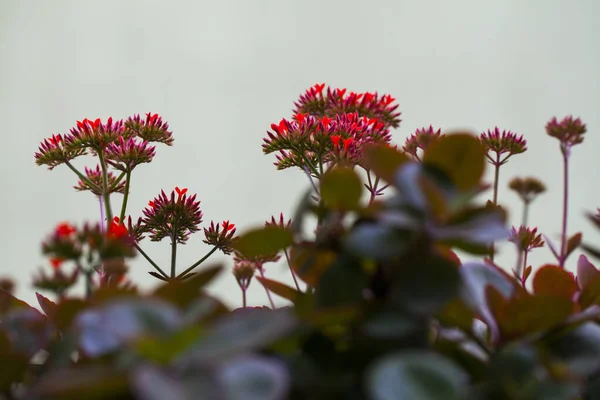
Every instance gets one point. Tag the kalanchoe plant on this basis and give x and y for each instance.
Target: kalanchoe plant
(389, 311)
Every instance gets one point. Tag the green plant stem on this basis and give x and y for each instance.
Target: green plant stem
(200, 261)
(244, 297)
(125, 197)
(262, 275)
(497, 164)
(287, 257)
(173, 254)
(524, 219)
(105, 188)
(159, 269)
(563, 236)
(83, 178)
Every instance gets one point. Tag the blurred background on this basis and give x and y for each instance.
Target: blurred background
(221, 72)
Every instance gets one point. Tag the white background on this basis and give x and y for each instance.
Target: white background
(221, 71)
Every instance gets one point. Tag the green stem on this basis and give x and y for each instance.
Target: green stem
(159, 269)
(173, 254)
(105, 188)
(262, 274)
(287, 257)
(117, 181)
(125, 197)
(563, 236)
(194, 265)
(495, 198)
(91, 184)
(244, 297)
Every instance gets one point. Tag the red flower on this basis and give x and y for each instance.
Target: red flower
(151, 204)
(319, 88)
(117, 229)
(336, 140)
(325, 121)
(299, 117)
(64, 229)
(227, 226)
(347, 143)
(180, 192)
(56, 262)
(340, 92)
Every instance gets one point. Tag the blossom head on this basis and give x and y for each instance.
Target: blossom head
(220, 235)
(57, 282)
(527, 188)
(175, 216)
(53, 152)
(150, 129)
(244, 272)
(94, 135)
(279, 222)
(97, 182)
(421, 139)
(502, 143)
(126, 154)
(117, 229)
(526, 239)
(318, 102)
(569, 131)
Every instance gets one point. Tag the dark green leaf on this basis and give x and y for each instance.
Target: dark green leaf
(377, 242)
(383, 161)
(341, 189)
(263, 241)
(182, 293)
(416, 375)
(254, 378)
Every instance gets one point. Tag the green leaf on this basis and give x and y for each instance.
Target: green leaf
(48, 306)
(253, 378)
(573, 243)
(83, 382)
(309, 263)
(377, 242)
(383, 160)
(281, 289)
(590, 294)
(342, 284)
(18, 363)
(182, 293)
(341, 189)
(263, 241)
(8, 302)
(461, 156)
(162, 350)
(67, 310)
(241, 331)
(416, 375)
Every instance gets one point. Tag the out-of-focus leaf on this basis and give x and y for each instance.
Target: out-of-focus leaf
(578, 348)
(263, 241)
(107, 328)
(414, 288)
(9, 302)
(590, 293)
(525, 315)
(383, 160)
(407, 180)
(377, 241)
(465, 357)
(309, 263)
(254, 378)
(331, 316)
(67, 310)
(341, 189)
(586, 271)
(27, 329)
(416, 375)
(182, 293)
(342, 284)
(162, 350)
(240, 331)
(14, 364)
(47, 305)
(457, 314)
(153, 383)
(204, 308)
(461, 156)
(110, 294)
(281, 289)
(554, 280)
(84, 382)
(476, 276)
(389, 325)
(573, 243)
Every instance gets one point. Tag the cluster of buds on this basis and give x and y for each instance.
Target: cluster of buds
(568, 131)
(97, 137)
(307, 141)
(243, 271)
(527, 188)
(503, 144)
(320, 102)
(220, 235)
(94, 182)
(420, 140)
(175, 216)
(526, 239)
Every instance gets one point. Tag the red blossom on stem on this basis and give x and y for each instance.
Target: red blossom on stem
(220, 236)
(126, 154)
(569, 131)
(95, 177)
(117, 229)
(52, 152)
(150, 129)
(94, 135)
(420, 140)
(502, 143)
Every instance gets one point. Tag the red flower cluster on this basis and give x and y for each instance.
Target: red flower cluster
(220, 236)
(319, 102)
(175, 216)
(309, 142)
(126, 154)
(502, 143)
(421, 139)
(94, 176)
(150, 129)
(569, 130)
